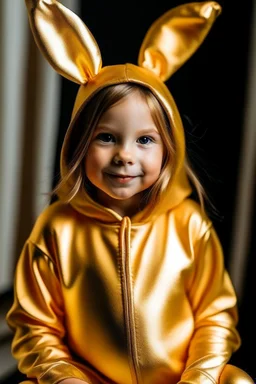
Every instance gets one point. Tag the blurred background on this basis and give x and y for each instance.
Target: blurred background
(215, 92)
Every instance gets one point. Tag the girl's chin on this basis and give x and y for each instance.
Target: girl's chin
(123, 197)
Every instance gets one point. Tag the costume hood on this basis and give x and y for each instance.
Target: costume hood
(70, 48)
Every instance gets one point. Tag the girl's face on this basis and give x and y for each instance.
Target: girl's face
(125, 155)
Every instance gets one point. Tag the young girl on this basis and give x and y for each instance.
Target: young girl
(122, 280)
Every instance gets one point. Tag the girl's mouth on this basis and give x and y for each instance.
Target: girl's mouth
(121, 178)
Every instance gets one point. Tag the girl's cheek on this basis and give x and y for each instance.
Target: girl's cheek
(100, 156)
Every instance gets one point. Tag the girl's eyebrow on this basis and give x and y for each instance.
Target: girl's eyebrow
(143, 131)
(148, 131)
(104, 127)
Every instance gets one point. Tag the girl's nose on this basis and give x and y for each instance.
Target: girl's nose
(123, 157)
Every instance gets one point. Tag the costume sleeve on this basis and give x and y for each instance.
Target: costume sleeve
(37, 319)
(213, 303)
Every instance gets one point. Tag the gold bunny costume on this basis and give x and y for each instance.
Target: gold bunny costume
(111, 299)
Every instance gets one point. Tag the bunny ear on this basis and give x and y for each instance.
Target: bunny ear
(64, 40)
(175, 36)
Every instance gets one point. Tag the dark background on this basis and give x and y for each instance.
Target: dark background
(210, 92)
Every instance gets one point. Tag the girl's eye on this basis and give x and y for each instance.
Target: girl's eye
(145, 140)
(106, 137)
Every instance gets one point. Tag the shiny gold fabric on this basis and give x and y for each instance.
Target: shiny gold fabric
(229, 375)
(111, 299)
(121, 302)
(170, 41)
(64, 40)
(175, 36)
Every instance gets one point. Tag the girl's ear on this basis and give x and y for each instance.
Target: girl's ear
(64, 40)
(175, 36)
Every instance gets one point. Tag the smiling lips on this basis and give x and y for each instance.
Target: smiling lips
(121, 178)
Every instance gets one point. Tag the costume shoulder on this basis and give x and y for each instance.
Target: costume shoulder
(51, 223)
(53, 215)
(189, 215)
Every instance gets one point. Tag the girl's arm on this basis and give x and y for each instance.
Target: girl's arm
(213, 302)
(37, 320)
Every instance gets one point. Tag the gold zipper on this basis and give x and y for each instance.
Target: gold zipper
(127, 291)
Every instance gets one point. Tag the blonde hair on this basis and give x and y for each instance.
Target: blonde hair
(82, 133)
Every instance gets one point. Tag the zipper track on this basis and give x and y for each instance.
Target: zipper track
(128, 307)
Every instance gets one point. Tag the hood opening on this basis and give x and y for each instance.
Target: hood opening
(75, 142)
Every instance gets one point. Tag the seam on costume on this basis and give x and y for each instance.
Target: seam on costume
(136, 335)
(55, 265)
(209, 226)
(37, 247)
(119, 269)
(47, 370)
(203, 373)
(56, 271)
(134, 314)
(121, 274)
(128, 306)
(63, 362)
(136, 358)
